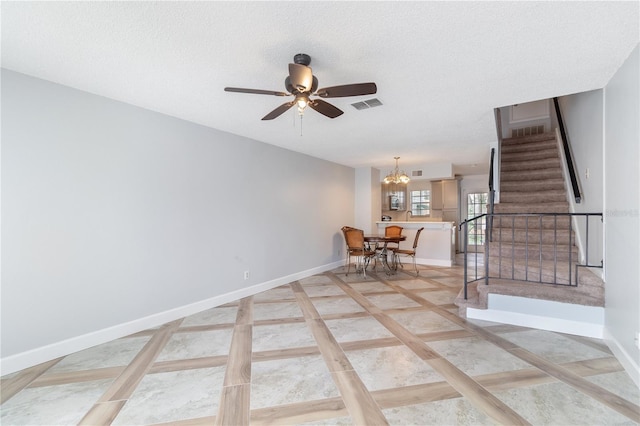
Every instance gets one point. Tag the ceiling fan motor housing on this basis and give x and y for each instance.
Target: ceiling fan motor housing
(293, 90)
(302, 59)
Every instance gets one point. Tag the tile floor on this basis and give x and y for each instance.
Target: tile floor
(332, 349)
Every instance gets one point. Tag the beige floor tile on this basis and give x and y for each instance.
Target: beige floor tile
(331, 350)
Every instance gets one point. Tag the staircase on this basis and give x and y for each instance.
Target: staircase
(533, 254)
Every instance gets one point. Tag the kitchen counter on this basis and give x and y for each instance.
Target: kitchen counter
(417, 223)
(436, 245)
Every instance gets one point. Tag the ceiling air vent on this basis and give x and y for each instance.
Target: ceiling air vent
(416, 173)
(367, 104)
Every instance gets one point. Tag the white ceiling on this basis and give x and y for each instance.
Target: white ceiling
(440, 67)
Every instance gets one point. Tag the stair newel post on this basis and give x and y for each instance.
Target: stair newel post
(466, 249)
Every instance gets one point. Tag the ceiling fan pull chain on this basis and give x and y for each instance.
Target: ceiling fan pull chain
(300, 125)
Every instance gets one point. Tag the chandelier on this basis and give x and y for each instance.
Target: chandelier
(396, 176)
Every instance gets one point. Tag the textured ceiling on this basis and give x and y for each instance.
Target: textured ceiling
(440, 67)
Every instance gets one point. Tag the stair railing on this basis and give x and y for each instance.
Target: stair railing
(534, 266)
(567, 153)
(476, 224)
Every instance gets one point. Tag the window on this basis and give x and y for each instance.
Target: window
(477, 205)
(421, 202)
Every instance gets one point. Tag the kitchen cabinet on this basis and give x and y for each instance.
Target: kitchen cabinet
(436, 195)
(394, 197)
(445, 201)
(445, 194)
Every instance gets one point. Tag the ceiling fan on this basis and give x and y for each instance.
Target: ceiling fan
(302, 84)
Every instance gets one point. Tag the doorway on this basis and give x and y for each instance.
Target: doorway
(476, 206)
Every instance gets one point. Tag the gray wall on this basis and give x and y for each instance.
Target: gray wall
(111, 213)
(582, 115)
(622, 208)
(368, 205)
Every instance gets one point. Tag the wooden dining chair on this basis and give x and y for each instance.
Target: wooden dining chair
(346, 252)
(409, 252)
(393, 231)
(356, 248)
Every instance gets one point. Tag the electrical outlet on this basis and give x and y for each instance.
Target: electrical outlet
(246, 275)
(637, 339)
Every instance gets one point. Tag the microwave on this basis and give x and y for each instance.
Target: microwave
(394, 202)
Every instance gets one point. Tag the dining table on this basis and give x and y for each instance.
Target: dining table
(383, 253)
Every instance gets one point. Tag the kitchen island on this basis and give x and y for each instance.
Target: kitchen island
(436, 245)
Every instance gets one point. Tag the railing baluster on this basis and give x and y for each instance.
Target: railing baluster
(526, 248)
(571, 252)
(500, 251)
(513, 251)
(555, 248)
(488, 231)
(586, 249)
(540, 253)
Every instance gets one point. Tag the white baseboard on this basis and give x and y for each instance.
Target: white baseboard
(561, 317)
(55, 350)
(630, 365)
(434, 262)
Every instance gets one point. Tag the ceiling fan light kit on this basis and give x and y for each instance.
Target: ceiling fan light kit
(301, 83)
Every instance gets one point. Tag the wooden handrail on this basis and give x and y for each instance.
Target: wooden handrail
(567, 153)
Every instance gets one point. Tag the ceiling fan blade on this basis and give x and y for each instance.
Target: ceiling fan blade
(325, 108)
(255, 91)
(278, 111)
(301, 77)
(348, 90)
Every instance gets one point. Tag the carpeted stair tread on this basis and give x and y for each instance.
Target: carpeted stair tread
(555, 207)
(533, 197)
(518, 152)
(556, 293)
(542, 185)
(532, 222)
(478, 292)
(521, 236)
(532, 251)
(518, 175)
(525, 166)
(558, 272)
(528, 139)
(527, 155)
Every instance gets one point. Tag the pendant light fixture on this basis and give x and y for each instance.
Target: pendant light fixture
(396, 176)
